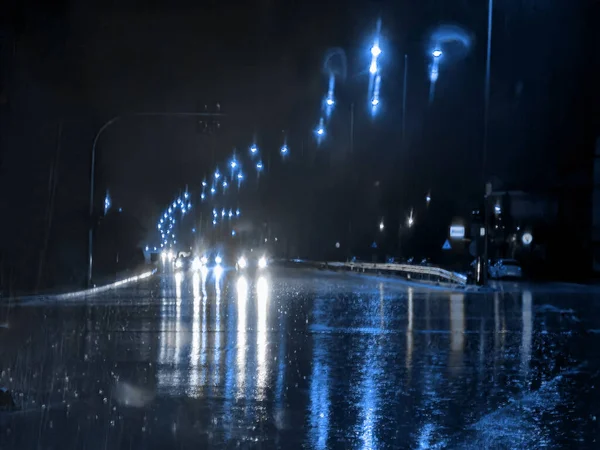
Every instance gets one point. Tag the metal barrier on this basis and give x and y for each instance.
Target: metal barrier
(411, 271)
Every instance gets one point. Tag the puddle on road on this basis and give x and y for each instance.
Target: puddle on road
(226, 361)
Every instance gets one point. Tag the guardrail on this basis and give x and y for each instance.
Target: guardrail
(410, 271)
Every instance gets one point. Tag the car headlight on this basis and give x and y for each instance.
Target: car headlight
(196, 263)
(262, 262)
(204, 260)
(178, 264)
(242, 263)
(218, 260)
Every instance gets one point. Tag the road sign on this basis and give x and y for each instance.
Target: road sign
(447, 245)
(457, 231)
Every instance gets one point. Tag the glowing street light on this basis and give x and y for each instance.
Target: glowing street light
(259, 166)
(225, 183)
(212, 190)
(253, 149)
(203, 183)
(428, 198)
(217, 174)
(375, 102)
(373, 68)
(381, 226)
(436, 53)
(233, 164)
(375, 50)
(411, 220)
(202, 196)
(329, 101)
(284, 149)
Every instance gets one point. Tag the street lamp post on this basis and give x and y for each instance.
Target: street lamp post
(93, 168)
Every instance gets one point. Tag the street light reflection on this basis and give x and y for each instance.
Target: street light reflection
(457, 331)
(242, 300)
(409, 330)
(195, 348)
(217, 350)
(526, 336)
(262, 294)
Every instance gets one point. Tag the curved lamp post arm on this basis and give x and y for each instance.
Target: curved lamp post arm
(93, 167)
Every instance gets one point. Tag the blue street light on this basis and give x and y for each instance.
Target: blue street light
(253, 149)
(202, 196)
(224, 184)
(259, 166)
(437, 53)
(230, 213)
(237, 212)
(212, 190)
(214, 221)
(165, 215)
(214, 212)
(174, 205)
(375, 50)
(186, 195)
(329, 101)
(284, 149)
(204, 184)
(375, 102)
(223, 213)
(233, 164)
(240, 176)
(217, 174)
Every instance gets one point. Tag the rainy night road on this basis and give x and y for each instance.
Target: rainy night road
(301, 359)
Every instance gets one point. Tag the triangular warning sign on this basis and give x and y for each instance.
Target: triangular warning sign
(447, 245)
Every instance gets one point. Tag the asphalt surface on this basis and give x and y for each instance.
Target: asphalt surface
(301, 359)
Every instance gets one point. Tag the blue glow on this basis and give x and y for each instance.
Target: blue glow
(186, 195)
(204, 184)
(253, 149)
(212, 190)
(375, 50)
(233, 232)
(233, 164)
(240, 176)
(170, 210)
(230, 213)
(147, 248)
(178, 200)
(183, 210)
(202, 196)
(214, 221)
(165, 215)
(214, 212)
(225, 184)
(497, 209)
(436, 53)
(193, 230)
(375, 102)
(329, 102)
(189, 205)
(259, 166)
(284, 149)
(174, 205)
(237, 212)
(161, 220)
(120, 209)
(223, 212)
(373, 67)
(217, 174)
(159, 225)
(320, 131)
(107, 203)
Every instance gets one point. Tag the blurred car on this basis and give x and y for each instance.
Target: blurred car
(252, 262)
(183, 263)
(505, 268)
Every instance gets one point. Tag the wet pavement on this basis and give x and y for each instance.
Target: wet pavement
(301, 359)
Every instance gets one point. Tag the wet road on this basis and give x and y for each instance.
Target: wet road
(301, 359)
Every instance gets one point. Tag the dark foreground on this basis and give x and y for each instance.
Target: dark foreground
(299, 359)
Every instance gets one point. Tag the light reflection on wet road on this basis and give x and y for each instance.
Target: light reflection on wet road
(298, 358)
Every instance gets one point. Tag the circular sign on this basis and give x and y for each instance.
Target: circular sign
(527, 238)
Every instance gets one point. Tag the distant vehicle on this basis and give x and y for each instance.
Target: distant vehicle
(253, 261)
(183, 263)
(505, 268)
